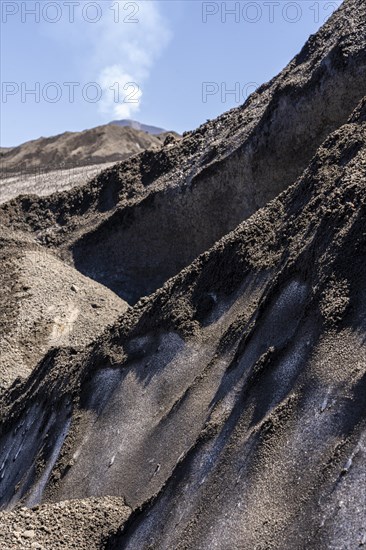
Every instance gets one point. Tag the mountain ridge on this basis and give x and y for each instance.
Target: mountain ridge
(107, 143)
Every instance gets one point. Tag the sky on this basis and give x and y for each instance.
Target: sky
(72, 65)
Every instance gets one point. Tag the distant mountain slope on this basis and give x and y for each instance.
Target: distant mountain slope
(153, 130)
(108, 143)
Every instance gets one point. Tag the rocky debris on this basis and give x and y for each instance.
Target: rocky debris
(79, 524)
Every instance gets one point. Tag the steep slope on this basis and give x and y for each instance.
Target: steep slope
(44, 304)
(142, 221)
(108, 143)
(227, 409)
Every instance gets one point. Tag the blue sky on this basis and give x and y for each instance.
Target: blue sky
(168, 63)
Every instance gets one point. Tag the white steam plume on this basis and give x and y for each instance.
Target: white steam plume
(129, 39)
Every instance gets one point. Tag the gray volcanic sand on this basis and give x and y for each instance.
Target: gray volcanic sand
(45, 304)
(226, 409)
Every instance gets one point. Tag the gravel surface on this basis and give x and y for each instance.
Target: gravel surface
(82, 525)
